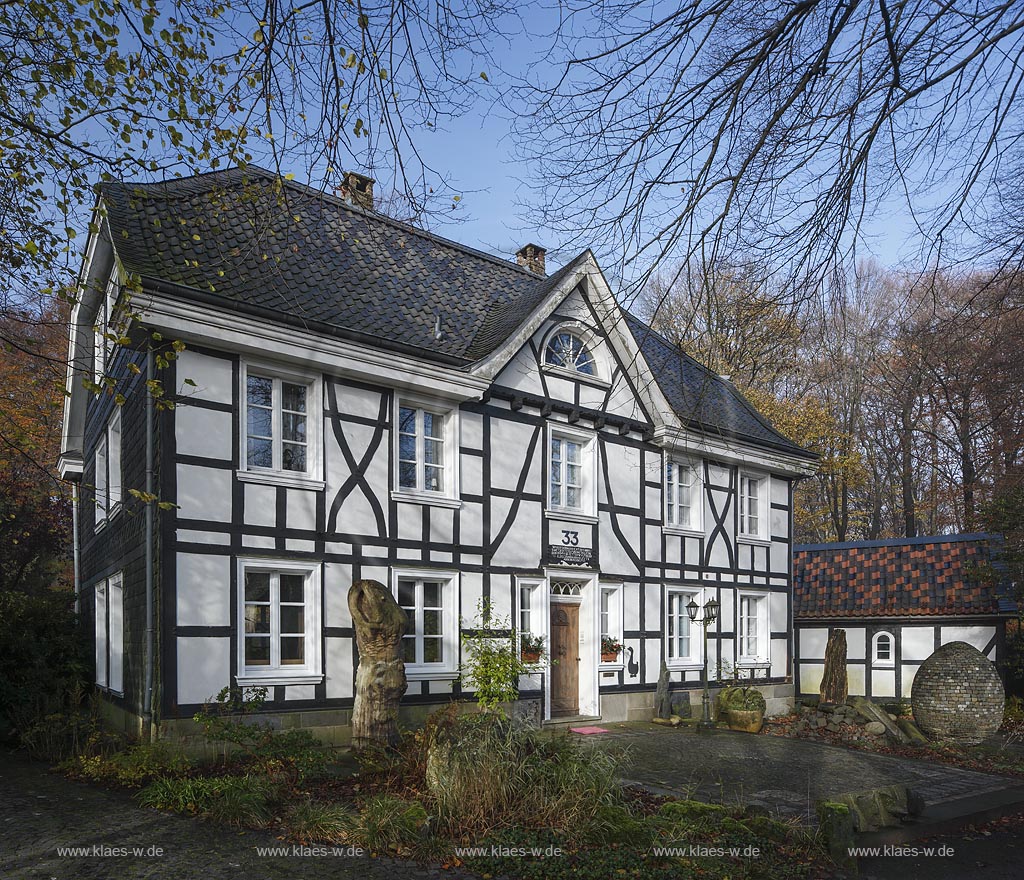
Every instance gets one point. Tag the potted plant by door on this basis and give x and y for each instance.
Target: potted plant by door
(743, 707)
(610, 649)
(531, 648)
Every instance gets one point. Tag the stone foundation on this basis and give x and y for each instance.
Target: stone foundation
(639, 705)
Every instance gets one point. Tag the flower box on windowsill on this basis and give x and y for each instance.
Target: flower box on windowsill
(609, 656)
(530, 656)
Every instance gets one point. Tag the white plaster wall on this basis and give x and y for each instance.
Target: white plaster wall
(917, 643)
(978, 636)
(855, 678)
(338, 667)
(856, 643)
(337, 581)
(212, 376)
(812, 641)
(883, 683)
(203, 664)
(203, 590)
(260, 505)
(810, 677)
(202, 432)
(204, 493)
(907, 673)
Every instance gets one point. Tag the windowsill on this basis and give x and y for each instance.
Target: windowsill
(428, 675)
(611, 667)
(684, 666)
(753, 664)
(280, 478)
(882, 664)
(688, 531)
(754, 539)
(571, 515)
(425, 498)
(101, 524)
(279, 678)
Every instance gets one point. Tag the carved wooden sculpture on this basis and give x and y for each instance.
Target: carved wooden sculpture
(833, 678)
(380, 677)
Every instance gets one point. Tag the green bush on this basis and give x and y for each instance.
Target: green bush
(311, 821)
(746, 698)
(137, 765)
(487, 773)
(294, 753)
(390, 823)
(493, 660)
(45, 666)
(235, 800)
(63, 736)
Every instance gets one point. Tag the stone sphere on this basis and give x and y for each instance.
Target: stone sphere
(957, 695)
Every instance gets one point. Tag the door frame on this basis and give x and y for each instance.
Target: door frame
(589, 604)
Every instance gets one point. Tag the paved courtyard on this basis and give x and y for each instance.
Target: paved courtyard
(785, 775)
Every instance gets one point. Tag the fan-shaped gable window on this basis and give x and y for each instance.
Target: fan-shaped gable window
(568, 351)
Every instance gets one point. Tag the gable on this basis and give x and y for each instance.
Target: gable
(608, 390)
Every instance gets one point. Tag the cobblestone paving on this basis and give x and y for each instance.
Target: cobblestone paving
(40, 812)
(784, 775)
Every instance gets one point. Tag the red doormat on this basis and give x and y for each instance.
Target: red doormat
(586, 731)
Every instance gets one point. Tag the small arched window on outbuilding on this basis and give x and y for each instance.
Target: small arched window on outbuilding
(883, 649)
(567, 350)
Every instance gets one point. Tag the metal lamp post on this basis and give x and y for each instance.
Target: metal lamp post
(709, 616)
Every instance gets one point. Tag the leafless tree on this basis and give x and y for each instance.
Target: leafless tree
(777, 128)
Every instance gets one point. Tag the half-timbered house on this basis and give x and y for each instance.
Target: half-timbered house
(358, 398)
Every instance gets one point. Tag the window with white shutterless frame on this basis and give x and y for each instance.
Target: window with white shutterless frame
(278, 622)
(114, 480)
(683, 637)
(429, 598)
(426, 456)
(530, 618)
(883, 650)
(282, 425)
(115, 632)
(102, 493)
(752, 504)
(683, 493)
(100, 611)
(752, 629)
(609, 615)
(572, 471)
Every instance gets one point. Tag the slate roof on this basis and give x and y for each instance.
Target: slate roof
(248, 238)
(703, 399)
(953, 575)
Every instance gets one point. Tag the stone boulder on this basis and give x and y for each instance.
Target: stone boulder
(886, 807)
(957, 695)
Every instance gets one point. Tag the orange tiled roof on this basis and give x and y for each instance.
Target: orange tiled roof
(945, 574)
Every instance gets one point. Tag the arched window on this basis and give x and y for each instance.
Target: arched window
(568, 351)
(883, 649)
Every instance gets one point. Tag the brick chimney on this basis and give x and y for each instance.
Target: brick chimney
(531, 256)
(357, 189)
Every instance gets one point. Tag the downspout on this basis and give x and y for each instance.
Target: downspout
(147, 698)
(76, 549)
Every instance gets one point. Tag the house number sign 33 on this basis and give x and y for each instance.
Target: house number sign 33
(570, 538)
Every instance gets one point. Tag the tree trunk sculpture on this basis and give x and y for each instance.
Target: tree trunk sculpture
(380, 677)
(833, 678)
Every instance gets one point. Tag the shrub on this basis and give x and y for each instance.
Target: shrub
(135, 766)
(390, 823)
(63, 736)
(690, 811)
(493, 659)
(486, 773)
(235, 800)
(295, 753)
(44, 667)
(321, 823)
(741, 697)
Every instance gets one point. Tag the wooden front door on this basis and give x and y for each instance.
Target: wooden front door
(565, 659)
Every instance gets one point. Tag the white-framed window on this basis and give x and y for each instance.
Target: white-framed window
(610, 617)
(279, 621)
(571, 471)
(430, 646)
(115, 632)
(567, 350)
(426, 450)
(753, 505)
(100, 595)
(114, 478)
(682, 636)
(682, 493)
(103, 329)
(531, 610)
(883, 649)
(752, 628)
(102, 493)
(281, 418)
